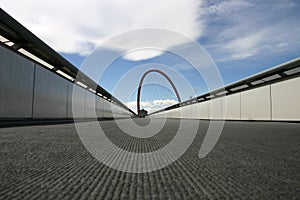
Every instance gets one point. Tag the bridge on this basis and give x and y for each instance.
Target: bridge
(47, 151)
(141, 84)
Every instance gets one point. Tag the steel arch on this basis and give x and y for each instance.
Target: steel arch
(141, 83)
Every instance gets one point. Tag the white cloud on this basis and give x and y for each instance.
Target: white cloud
(142, 54)
(78, 26)
(235, 29)
(244, 47)
(244, 30)
(227, 7)
(152, 106)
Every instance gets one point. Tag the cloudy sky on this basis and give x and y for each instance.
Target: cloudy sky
(242, 37)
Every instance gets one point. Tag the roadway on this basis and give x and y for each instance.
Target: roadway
(252, 160)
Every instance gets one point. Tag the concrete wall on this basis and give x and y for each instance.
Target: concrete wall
(185, 112)
(286, 100)
(50, 95)
(233, 107)
(256, 104)
(216, 108)
(69, 103)
(107, 110)
(99, 107)
(119, 112)
(278, 101)
(16, 81)
(90, 105)
(195, 111)
(177, 113)
(30, 91)
(77, 95)
(204, 110)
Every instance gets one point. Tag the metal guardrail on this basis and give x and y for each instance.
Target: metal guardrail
(287, 70)
(19, 39)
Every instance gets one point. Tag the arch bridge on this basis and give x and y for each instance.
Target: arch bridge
(141, 83)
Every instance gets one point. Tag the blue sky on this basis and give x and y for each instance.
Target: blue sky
(242, 37)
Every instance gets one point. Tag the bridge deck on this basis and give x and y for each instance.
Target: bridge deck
(251, 159)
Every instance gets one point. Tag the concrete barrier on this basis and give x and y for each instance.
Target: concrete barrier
(195, 111)
(16, 80)
(233, 107)
(50, 95)
(278, 101)
(69, 101)
(285, 98)
(90, 105)
(28, 90)
(78, 102)
(204, 110)
(99, 107)
(256, 104)
(216, 108)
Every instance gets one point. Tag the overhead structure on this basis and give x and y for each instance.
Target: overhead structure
(141, 83)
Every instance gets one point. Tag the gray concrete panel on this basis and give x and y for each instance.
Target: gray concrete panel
(99, 107)
(286, 100)
(216, 108)
(90, 105)
(160, 115)
(107, 114)
(175, 113)
(186, 112)
(69, 103)
(107, 110)
(119, 112)
(107, 106)
(256, 104)
(78, 102)
(204, 110)
(50, 95)
(195, 111)
(233, 107)
(16, 80)
(278, 101)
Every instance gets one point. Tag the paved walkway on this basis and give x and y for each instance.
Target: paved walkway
(252, 160)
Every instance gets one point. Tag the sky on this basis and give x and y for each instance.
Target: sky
(241, 37)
